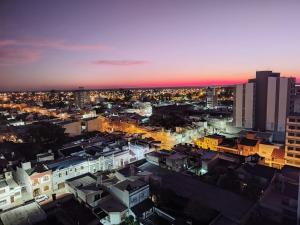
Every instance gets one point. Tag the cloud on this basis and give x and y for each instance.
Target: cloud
(15, 51)
(119, 62)
(12, 56)
(54, 44)
(4, 43)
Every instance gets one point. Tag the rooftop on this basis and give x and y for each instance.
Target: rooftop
(230, 205)
(66, 162)
(29, 213)
(86, 183)
(248, 142)
(110, 204)
(129, 185)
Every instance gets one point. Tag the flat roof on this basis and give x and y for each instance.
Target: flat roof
(86, 183)
(65, 162)
(129, 185)
(110, 204)
(29, 213)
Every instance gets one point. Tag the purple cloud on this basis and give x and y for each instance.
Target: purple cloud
(119, 62)
(12, 56)
(55, 44)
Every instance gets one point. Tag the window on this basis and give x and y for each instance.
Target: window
(290, 155)
(3, 202)
(66, 173)
(46, 178)
(46, 188)
(59, 175)
(35, 182)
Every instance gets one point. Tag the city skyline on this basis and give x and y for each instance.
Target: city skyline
(132, 44)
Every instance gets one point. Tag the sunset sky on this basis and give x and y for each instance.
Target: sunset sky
(138, 43)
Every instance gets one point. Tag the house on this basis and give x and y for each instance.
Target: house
(67, 168)
(229, 145)
(130, 192)
(177, 161)
(210, 142)
(248, 146)
(10, 191)
(37, 179)
(115, 210)
(273, 154)
(140, 147)
(87, 189)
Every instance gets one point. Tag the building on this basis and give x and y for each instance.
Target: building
(36, 179)
(72, 128)
(86, 189)
(81, 97)
(177, 162)
(273, 155)
(211, 98)
(130, 192)
(292, 141)
(210, 142)
(264, 103)
(140, 147)
(67, 168)
(10, 191)
(248, 146)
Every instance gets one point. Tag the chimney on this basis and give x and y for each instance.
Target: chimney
(26, 165)
(99, 181)
(132, 171)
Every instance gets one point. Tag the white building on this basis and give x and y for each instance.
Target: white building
(10, 191)
(36, 180)
(86, 189)
(130, 192)
(264, 103)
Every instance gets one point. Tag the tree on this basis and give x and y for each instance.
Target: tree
(46, 133)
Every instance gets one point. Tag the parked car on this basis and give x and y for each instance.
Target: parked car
(41, 198)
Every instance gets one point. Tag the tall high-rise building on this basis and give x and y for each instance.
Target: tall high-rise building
(211, 98)
(81, 97)
(292, 141)
(264, 103)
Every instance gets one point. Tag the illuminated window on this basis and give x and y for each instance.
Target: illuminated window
(46, 188)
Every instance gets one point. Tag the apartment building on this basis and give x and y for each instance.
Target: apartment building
(292, 141)
(264, 103)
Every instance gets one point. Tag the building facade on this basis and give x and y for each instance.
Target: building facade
(292, 141)
(264, 103)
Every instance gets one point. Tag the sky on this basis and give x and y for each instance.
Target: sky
(54, 44)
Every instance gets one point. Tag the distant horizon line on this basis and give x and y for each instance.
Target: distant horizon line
(117, 88)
